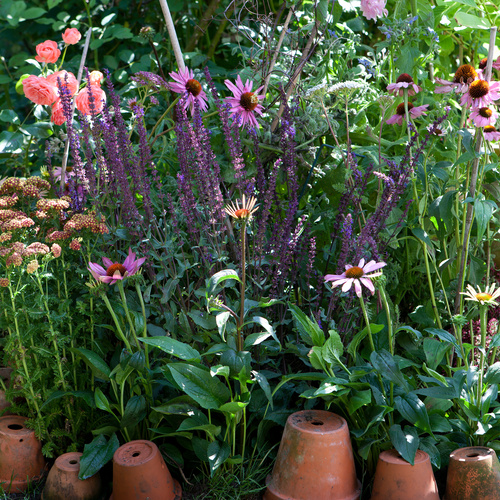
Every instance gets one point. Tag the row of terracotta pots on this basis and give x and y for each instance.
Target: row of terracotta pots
(315, 461)
(139, 471)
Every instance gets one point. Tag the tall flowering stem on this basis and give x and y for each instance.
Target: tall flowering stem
(243, 278)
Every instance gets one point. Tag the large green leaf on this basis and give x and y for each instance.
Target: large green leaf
(101, 401)
(220, 277)
(405, 441)
(173, 347)
(309, 330)
(434, 351)
(135, 411)
(218, 453)
(96, 455)
(209, 392)
(413, 410)
(385, 364)
(96, 363)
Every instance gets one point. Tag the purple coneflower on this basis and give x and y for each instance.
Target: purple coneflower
(481, 94)
(185, 82)
(414, 111)
(464, 76)
(404, 81)
(483, 117)
(114, 270)
(244, 102)
(357, 275)
(491, 133)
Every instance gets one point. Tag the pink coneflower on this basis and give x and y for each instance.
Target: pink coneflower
(357, 275)
(414, 111)
(372, 9)
(404, 81)
(491, 133)
(244, 102)
(484, 62)
(464, 76)
(114, 270)
(185, 82)
(481, 94)
(484, 116)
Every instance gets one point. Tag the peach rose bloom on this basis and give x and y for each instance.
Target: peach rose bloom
(57, 117)
(39, 90)
(82, 99)
(71, 36)
(47, 52)
(96, 77)
(71, 84)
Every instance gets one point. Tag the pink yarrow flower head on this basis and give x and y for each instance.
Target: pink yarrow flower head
(47, 52)
(185, 84)
(361, 274)
(114, 270)
(483, 117)
(464, 76)
(481, 94)
(491, 133)
(404, 81)
(414, 111)
(372, 9)
(71, 36)
(244, 102)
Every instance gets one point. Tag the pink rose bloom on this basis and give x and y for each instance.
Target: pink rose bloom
(47, 52)
(39, 90)
(96, 77)
(71, 36)
(83, 103)
(57, 117)
(372, 9)
(67, 78)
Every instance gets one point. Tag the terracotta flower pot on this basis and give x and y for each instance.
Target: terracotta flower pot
(139, 472)
(63, 483)
(21, 459)
(315, 460)
(396, 479)
(473, 474)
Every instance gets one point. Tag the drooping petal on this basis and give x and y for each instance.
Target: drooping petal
(96, 270)
(347, 285)
(368, 283)
(357, 287)
(339, 282)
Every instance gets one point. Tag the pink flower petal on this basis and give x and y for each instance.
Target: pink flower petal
(347, 285)
(373, 266)
(368, 283)
(357, 288)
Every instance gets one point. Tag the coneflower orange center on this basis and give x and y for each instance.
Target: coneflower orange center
(249, 101)
(478, 88)
(116, 267)
(483, 296)
(405, 77)
(485, 112)
(490, 128)
(354, 272)
(483, 63)
(400, 110)
(465, 73)
(193, 87)
(241, 213)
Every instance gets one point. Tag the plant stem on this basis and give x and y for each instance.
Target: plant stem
(365, 314)
(242, 287)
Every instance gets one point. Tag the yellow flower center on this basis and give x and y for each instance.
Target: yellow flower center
(241, 213)
(354, 272)
(490, 128)
(483, 296)
(111, 270)
(193, 87)
(479, 88)
(464, 73)
(249, 101)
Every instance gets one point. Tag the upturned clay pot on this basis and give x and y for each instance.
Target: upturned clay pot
(315, 460)
(396, 479)
(473, 474)
(139, 472)
(21, 459)
(63, 483)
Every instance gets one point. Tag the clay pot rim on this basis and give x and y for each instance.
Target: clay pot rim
(472, 454)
